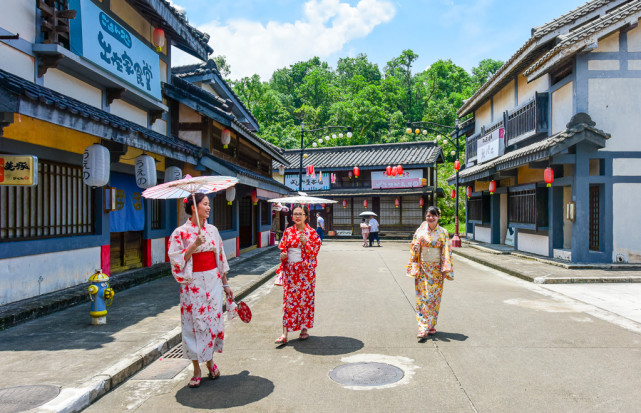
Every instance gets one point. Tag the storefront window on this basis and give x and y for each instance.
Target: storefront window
(222, 213)
(412, 210)
(390, 215)
(342, 216)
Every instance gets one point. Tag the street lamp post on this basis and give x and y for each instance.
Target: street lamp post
(456, 239)
(303, 146)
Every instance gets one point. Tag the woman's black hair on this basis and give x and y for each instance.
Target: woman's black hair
(433, 211)
(363, 220)
(304, 208)
(190, 201)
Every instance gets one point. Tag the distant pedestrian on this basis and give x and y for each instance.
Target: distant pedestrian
(320, 226)
(199, 264)
(373, 232)
(430, 263)
(299, 248)
(365, 231)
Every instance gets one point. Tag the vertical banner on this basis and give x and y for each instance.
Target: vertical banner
(129, 214)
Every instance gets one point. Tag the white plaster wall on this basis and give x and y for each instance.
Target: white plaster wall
(187, 114)
(158, 250)
(160, 126)
(634, 39)
(19, 276)
(482, 116)
(609, 43)
(130, 112)
(503, 100)
(192, 136)
(163, 71)
(626, 167)
(634, 64)
(526, 90)
(536, 244)
(230, 247)
(562, 102)
(264, 239)
(208, 88)
(603, 65)
(16, 62)
(482, 234)
(19, 16)
(614, 106)
(72, 86)
(626, 199)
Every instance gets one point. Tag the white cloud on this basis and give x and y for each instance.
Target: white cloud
(326, 26)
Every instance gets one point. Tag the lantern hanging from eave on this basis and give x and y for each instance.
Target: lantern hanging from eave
(254, 196)
(311, 170)
(173, 173)
(396, 202)
(394, 171)
(320, 176)
(230, 195)
(344, 203)
(388, 171)
(281, 170)
(492, 187)
(350, 174)
(457, 165)
(469, 192)
(95, 165)
(399, 169)
(225, 138)
(365, 203)
(548, 175)
(453, 193)
(323, 206)
(159, 39)
(421, 201)
(145, 171)
(356, 172)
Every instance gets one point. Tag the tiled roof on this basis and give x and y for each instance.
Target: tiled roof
(569, 17)
(366, 156)
(34, 92)
(209, 67)
(247, 172)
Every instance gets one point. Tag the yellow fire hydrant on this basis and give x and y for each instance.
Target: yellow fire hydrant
(101, 297)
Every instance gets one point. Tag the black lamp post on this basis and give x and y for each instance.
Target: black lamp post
(313, 141)
(456, 239)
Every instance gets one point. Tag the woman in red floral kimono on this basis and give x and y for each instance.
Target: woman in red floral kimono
(199, 264)
(298, 250)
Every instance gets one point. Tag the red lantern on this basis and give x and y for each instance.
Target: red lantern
(421, 202)
(350, 174)
(396, 202)
(388, 171)
(254, 196)
(469, 192)
(394, 171)
(492, 187)
(399, 169)
(311, 169)
(159, 39)
(356, 171)
(323, 205)
(453, 193)
(344, 203)
(548, 175)
(365, 203)
(457, 164)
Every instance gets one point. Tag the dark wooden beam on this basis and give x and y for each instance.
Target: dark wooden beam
(114, 93)
(46, 62)
(539, 164)
(189, 126)
(154, 115)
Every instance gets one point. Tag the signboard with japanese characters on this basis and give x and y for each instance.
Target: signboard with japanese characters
(104, 42)
(490, 146)
(411, 178)
(20, 170)
(310, 183)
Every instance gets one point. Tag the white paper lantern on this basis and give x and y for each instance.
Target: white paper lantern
(225, 138)
(230, 194)
(173, 173)
(145, 171)
(95, 165)
(281, 170)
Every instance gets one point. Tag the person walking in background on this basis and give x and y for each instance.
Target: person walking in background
(364, 231)
(320, 226)
(430, 263)
(298, 250)
(373, 232)
(199, 264)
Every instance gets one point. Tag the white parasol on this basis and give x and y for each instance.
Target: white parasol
(302, 198)
(367, 213)
(182, 188)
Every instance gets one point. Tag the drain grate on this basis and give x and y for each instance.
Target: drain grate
(22, 398)
(366, 374)
(174, 353)
(167, 367)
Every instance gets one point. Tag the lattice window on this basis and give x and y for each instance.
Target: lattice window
(342, 216)
(412, 210)
(358, 208)
(475, 209)
(594, 217)
(264, 212)
(222, 213)
(522, 207)
(390, 215)
(157, 209)
(54, 23)
(60, 205)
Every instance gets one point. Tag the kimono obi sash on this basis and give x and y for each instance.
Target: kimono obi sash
(430, 255)
(204, 261)
(294, 255)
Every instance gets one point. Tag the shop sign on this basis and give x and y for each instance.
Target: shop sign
(18, 170)
(490, 146)
(344, 232)
(412, 178)
(309, 183)
(100, 39)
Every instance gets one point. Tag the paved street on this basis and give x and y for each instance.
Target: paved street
(503, 344)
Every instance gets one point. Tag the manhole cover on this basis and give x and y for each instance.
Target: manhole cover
(22, 398)
(366, 374)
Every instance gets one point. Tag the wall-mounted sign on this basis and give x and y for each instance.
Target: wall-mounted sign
(104, 42)
(490, 146)
(309, 183)
(344, 232)
(412, 178)
(19, 170)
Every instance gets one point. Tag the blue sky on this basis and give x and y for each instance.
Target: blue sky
(259, 36)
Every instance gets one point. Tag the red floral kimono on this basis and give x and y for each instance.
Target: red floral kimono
(299, 278)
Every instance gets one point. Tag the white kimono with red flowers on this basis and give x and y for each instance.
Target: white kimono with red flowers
(201, 293)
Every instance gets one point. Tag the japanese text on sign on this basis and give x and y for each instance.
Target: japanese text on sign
(19, 170)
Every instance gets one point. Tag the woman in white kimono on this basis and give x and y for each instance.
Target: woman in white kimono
(199, 264)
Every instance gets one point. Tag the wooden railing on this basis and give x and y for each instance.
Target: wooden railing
(528, 120)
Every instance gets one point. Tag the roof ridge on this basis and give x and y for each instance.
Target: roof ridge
(365, 145)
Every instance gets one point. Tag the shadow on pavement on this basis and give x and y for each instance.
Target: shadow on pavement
(326, 346)
(447, 337)
(226, 392)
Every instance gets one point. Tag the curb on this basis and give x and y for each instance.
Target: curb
(72, 400)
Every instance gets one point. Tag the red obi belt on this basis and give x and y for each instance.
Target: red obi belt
(204, 261)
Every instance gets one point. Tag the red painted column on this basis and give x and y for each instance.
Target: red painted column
(238, 246)
(105, 259)
(146, 253)
(166, 249)
(259, 239)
